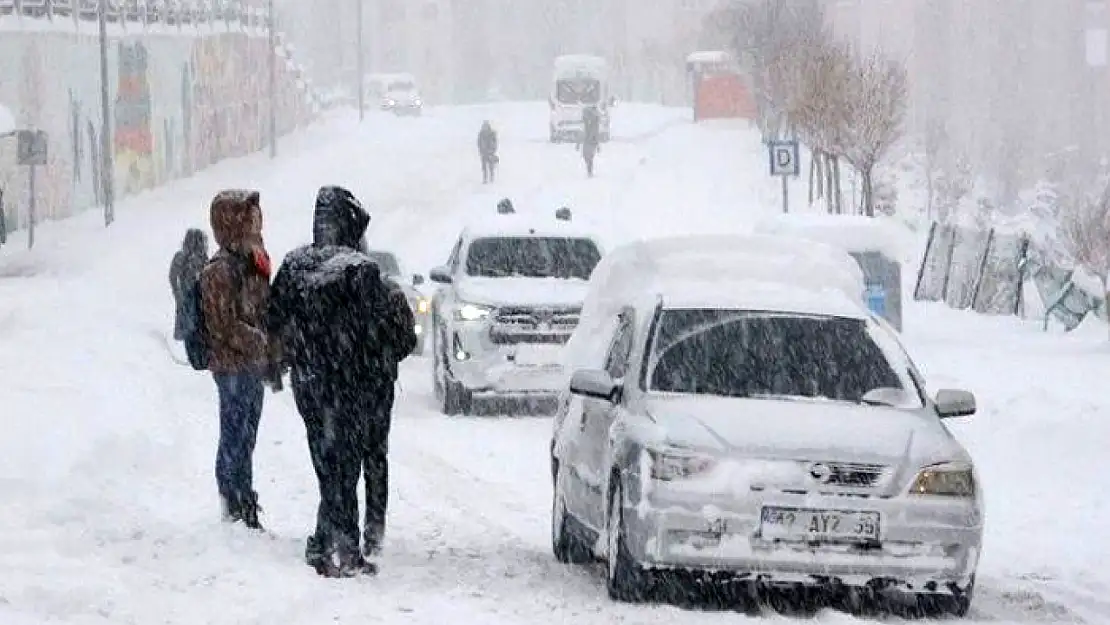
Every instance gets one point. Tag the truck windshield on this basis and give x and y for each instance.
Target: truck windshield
(578, 91)
(532, 257)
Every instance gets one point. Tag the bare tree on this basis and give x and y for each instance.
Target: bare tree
(936, 142)
(1085, 231)
(875, 107)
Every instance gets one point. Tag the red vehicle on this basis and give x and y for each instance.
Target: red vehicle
(721, 89)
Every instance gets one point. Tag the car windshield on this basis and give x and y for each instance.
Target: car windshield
(532, 257)
(578, 91)
(758, 354)
(401, 86)
(386, 262)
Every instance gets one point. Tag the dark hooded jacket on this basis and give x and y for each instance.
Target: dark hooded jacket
(235, 286)
(185, 270)
(342, 326)
(487, 141)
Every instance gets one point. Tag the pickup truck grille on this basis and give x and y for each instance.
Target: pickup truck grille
(512, 325)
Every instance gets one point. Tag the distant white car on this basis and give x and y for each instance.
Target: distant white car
(401, 96)
(774, 432)
(511, 294)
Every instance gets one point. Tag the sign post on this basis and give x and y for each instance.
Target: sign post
(31, 151)
(784, 164)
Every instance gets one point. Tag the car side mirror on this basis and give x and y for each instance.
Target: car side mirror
(417, 279)
(952, 403)
(440, 275)
(595, 384)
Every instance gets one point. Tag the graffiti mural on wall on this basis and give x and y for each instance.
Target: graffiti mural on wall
(179, 103)
(134, 141)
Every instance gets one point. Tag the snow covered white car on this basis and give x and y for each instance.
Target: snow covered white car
(391, 270)
(512, 292)
(774, 433)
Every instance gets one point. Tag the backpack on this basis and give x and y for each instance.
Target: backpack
(198, 344)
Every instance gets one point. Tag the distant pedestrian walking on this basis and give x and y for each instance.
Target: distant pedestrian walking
(590, 144)
(487, 151)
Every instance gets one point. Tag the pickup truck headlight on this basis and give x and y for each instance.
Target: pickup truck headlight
(421, 306)
(471, 312)
(677, 464)
(945, 480)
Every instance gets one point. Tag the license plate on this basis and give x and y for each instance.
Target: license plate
(538, 355)
(800, 524)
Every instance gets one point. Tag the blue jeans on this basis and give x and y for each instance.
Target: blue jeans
(241, 397)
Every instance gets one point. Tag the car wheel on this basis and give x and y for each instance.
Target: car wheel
(552, 135)
(957, 604)
(437, 364)
(566, 539)
(626, 580)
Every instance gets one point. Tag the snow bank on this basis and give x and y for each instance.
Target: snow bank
(642, 269)
(851, 233)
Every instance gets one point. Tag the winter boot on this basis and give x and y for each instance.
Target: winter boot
(231, 510)
(351, 564)
(372, 542)
(249, 509)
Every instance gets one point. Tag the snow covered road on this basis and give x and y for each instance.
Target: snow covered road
(109, 511)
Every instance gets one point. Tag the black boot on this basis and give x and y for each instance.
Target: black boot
(231, 511)
(250, 511)
(372, 541)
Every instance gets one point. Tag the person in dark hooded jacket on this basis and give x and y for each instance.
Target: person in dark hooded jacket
(487, 151)
(185, 269)
(344, 329)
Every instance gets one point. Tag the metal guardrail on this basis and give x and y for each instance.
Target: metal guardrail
(177, 13)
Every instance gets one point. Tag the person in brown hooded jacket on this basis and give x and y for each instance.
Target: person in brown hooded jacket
(235, 292)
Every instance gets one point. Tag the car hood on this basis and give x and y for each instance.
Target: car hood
(802, 429)
(523, 291)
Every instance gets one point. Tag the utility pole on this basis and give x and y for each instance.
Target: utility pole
(360, 61)
(107, 165)
(272, 55)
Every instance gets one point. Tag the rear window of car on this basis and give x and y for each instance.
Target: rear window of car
(769, 355)
(532, 257)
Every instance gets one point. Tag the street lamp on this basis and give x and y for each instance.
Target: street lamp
(107, 177)
(271, 50)
(360, 63)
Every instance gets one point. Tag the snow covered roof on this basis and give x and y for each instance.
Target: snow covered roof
(852, 233)
(7, 120)
(760, 295)
(709, 56)
(579, 64)
(526, 225)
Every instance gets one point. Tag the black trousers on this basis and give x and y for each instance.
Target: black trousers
(348, 437)
(488, 167)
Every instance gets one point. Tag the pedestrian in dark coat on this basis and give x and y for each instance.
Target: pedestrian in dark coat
(591, 137)
(185, 270)
(487, 151)
(344, 330)
(235, 291)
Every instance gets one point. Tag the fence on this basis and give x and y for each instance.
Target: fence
(987, 271)
(188, 86)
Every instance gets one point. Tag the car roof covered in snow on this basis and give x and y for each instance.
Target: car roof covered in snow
(851, 233)
(757, 295)
(526, 225)
(636, 274)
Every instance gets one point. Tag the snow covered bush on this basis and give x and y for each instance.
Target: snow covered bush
(1085, 231)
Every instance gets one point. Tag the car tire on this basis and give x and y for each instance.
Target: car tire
(553, 137)
(626, 580)
(566, 537)
(957, 605)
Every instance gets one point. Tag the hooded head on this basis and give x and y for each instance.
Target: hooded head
(195, 243)
(486, 126)
(236, 217)
(339, 219)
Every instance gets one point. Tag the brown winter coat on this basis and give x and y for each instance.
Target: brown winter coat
(235, 286)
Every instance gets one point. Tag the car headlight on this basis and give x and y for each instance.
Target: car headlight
(388, 102)
(945, 480)
(676, 464)
(418, 102)
(471, 312)
(422, 306)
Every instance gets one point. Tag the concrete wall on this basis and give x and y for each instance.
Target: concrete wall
(181, 99)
